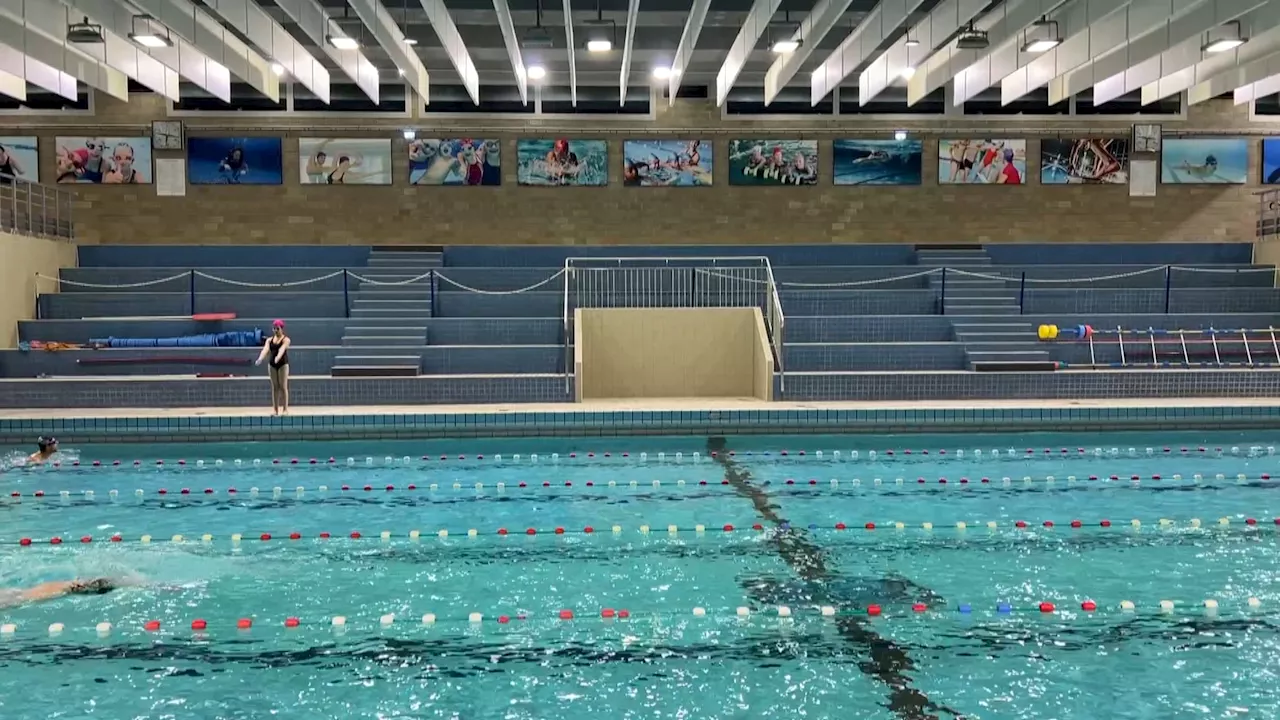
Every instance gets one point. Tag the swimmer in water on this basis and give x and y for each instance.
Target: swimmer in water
(48, 446)
(122, 172)
(1201, 172)
(562, 163)
(233, 166)
(52, 590)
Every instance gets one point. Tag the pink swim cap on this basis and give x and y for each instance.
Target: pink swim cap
(278, 323)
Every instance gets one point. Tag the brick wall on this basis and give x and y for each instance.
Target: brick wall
(294, 213)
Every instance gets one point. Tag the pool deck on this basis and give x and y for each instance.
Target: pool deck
(651, 405)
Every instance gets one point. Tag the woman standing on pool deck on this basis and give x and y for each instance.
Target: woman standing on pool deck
(277, 347)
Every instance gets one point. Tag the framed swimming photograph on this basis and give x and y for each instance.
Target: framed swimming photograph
(103, 160)
(562, 161)
(455, 161)
(762, 161)
(857, 161)
(982, 162)
(344, 161)
(1084, 161)
(20, 157)
(235, 161)
(1204, 161)
(667, 163)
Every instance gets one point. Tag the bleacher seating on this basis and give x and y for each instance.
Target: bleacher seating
(476, 323)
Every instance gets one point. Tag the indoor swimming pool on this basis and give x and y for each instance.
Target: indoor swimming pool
(979, 576)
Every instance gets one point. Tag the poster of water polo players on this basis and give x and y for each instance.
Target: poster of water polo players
(1084, 161)
(344, 161)
(104, 160)
(666, 163)
(1204, 161)
(455, 161)
(773, 162)
(562, 161)
(235, 160)
(982, 162)
(1270, 161)
(20, 157)
(856, 161)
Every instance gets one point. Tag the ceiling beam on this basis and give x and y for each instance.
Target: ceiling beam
(19, 66)
(1235, 78)
(860, 46)
(930, 34)
(316, 24)
(1185, 64)
(512, 41)
(813, 29)
(204, 33)
(628, 44)
(1135, 60)
(270, 38)
(684, 50)
(752, 28)
(950, 60)
(571, 49)
(1249, 93)
(1001, 56)
(1084, 27)
(447, 31)
(391, 38)
(41, 36)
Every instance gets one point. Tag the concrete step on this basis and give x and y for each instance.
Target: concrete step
(413, 315)
(411, 292)
(996, 346)
(394, 305)
(999, 295)
(1010, 355)
(383, 340)
(387, 359)
(970, 336)
(386, 330)
(992, 326)
(415, 267)
(976, 283)
(987, 310)
(374, 371)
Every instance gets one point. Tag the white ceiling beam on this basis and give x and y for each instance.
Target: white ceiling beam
(42, 39)
(274, 42)
(752, 28)
(391, 38)
(1083, 27)
(512, 41)
(1238, 77)
(571, 49)
(938, 26)
(813, 29)
(1136, 60)
(1001, 56)
(1262, 88)
(1186, 64)
(19, 66)
(882, 23)
(316, 24)
(950, 60)
(454, 47)
(205, 35)
(628, 44)
(684, 50)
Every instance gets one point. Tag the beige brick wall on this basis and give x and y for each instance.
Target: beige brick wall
(294, 213)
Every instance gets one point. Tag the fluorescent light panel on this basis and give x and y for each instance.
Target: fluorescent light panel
(1223, 45)
(783, 47)
(536, 72)
(599, 45)
(151, 40)
(343, 43)
(1041, 45)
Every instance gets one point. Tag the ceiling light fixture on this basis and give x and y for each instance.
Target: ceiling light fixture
(536, 72)
(410, 41)
(910, 41)
(972, 39)
(663, 72)
(599, 46)
(899, 135)
(409, 133)
(148, 37)
(342, 42)
(790, 41)
(908, 72)
(1217, 41)
(85, 33)
(277, 68)
(1040, 38)
(602, 32)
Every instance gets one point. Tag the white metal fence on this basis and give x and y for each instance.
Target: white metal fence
(672, 282)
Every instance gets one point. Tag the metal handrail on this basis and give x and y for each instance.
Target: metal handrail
(565, 330)
(29, 208)
(776, 325)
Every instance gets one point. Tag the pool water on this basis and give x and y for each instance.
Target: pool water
(959, 629)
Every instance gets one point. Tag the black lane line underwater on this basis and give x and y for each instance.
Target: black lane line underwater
(887, 661)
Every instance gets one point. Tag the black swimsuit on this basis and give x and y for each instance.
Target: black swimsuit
(274, 349)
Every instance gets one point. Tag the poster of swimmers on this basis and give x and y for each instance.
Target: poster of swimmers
(344, 161)
(877, 162)
(20, 157)
(666, 163)
(234, 161)
(453, 161)
(1211, 161)
(982, 162)
(773, 162)
(104, 160)
(1084, 161)
(1271, 161)
(562, 161)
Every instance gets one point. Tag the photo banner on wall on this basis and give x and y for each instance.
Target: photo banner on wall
(667, 163)
(344, 161)
(455, 161)
(773, 162)
(1086, 161)
(562, 161)
(20, 157)
(857, 161)
(1205, 161)
(1271, 161)
(235, 161)
(982, 162)
(104, 160)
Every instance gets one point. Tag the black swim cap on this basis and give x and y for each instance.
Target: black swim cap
(44, 442)
(98, 586)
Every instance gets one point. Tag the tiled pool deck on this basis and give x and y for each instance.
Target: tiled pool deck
(655, 417)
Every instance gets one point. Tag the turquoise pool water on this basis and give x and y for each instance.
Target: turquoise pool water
(980, 647)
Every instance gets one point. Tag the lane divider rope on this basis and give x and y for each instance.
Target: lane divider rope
(835, 455)
(644, 529)
(279, 492)
(340, 623)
